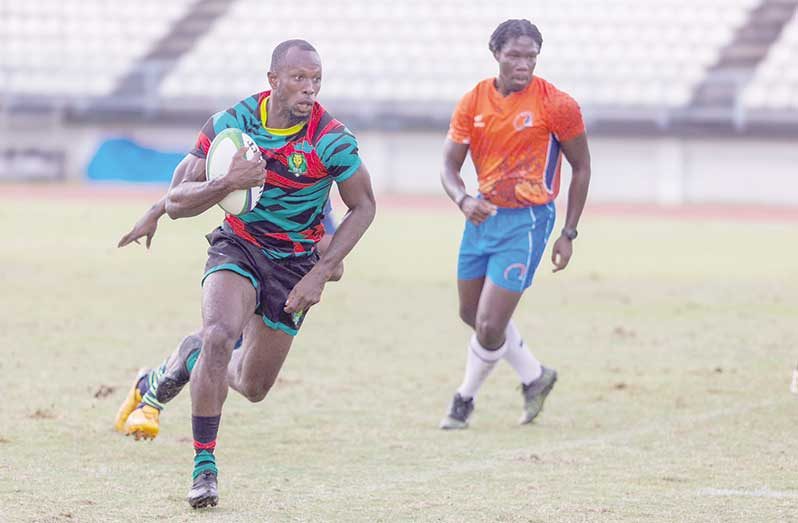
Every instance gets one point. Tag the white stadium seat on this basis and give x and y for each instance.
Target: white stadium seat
(775, 84)
(635, 53)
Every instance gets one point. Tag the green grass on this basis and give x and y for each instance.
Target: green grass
(674, 341)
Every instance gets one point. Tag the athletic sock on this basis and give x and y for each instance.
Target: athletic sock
(479, 364)
(205, 429)
(520, 357)
(152, 379)
(144, 384)
(148, 384)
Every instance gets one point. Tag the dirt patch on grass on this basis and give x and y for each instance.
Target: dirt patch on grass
(42, 414)
(103, 391)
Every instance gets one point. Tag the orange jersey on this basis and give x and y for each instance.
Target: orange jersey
(515, 140)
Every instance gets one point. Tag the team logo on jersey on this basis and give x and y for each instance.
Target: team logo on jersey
(523, 120)
(478, 121)
(297, 164)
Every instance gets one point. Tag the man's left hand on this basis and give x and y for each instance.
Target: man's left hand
(561, 253)
(305, 294)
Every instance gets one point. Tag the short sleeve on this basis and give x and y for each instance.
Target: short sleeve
(563, 116)
(462, 122)
(339, 153)
(214, 124)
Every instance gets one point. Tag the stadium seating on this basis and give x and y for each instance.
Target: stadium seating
(775, 84)
(606, 53)
(77, 47)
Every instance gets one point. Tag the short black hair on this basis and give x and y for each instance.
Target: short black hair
(278, 55)
(513, 29)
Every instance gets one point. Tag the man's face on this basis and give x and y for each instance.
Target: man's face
(517, 61)
(296, 83)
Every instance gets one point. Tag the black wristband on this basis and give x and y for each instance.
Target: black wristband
(461, 200)
(569, 233)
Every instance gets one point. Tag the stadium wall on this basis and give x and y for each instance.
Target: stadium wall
(639, 169)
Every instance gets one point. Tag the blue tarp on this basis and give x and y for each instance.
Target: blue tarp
(123, 160)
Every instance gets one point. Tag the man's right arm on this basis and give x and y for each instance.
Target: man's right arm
(454, 155)
(148, 223)
(190, 194)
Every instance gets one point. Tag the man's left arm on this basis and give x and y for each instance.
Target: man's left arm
(358, 196)
(578, 155)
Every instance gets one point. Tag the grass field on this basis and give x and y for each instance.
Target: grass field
(674, 340)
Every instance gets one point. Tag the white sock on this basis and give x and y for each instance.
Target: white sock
(479, 363)
(519, 356)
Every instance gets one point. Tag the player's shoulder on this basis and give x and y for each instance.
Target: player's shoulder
(552, 97)
(482, 89)
(242, 115)
(323, 123)
(475, 96)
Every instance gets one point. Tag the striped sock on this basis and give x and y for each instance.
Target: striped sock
(148, 384)
(152, 379)
(205, 429)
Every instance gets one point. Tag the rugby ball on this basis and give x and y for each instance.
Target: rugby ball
(217, 163)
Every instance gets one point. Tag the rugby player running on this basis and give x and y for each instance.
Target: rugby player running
(263, 271)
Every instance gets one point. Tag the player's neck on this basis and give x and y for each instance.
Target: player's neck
(503, 87)
(280, 117)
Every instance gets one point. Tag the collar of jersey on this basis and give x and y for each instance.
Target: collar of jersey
(277, 132)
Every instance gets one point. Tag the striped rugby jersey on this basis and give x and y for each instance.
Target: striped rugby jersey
(301, 164)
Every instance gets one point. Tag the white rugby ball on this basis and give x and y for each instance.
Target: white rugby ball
(217, 163)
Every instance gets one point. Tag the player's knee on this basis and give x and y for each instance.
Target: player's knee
(468, 315)
(490, 333)
(217, 345)
(255, 392)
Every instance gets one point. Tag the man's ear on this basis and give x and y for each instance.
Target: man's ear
(272, 79)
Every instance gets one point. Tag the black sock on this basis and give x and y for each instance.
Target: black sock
(205, 429)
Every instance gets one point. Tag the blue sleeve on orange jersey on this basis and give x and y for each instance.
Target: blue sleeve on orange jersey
(339, 154)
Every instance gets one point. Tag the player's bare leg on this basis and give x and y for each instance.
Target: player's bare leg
(228, 303)
(488, 308)
(462, 407)
(139, 413)
(253, 369)
(469, 292)
(487, 312)
(496, 307)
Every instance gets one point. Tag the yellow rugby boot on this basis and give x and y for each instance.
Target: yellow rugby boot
(143, 423)
(131, 402)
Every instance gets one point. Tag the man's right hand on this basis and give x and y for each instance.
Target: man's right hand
(244, 173)
(477, 211)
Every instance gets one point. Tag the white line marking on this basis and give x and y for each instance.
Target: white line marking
(489, 461)
(763, 492)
